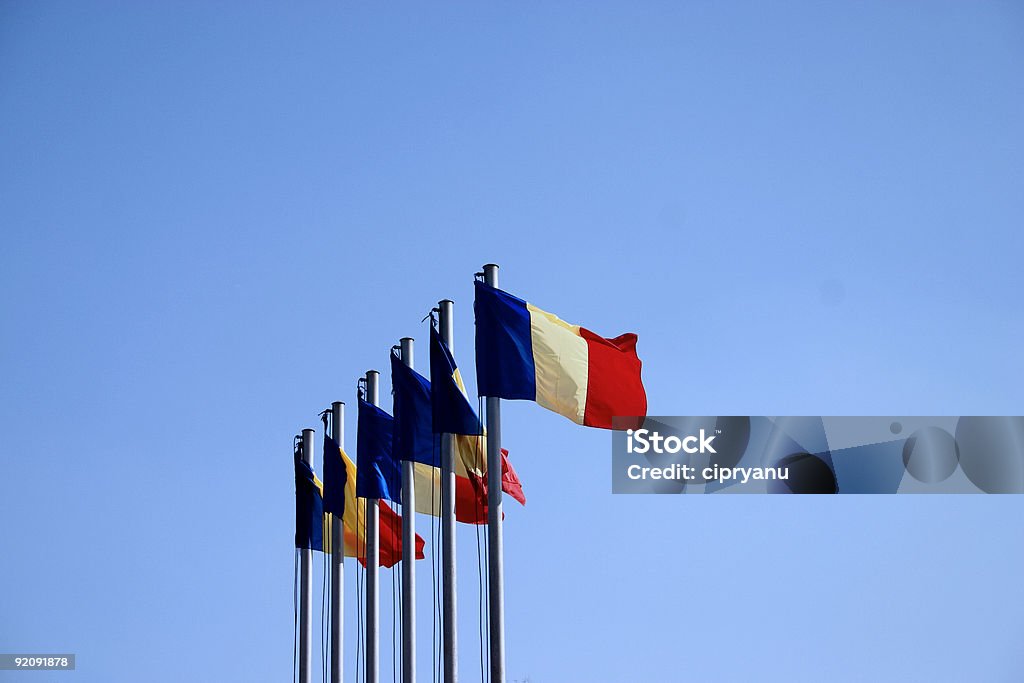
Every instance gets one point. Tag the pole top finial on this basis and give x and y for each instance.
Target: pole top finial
(491, 274)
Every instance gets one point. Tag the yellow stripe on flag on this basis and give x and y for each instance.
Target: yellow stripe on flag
(561, 362)
(354, 521)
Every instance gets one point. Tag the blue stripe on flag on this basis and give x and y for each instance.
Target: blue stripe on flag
(377, 472)
(451, 411)
(504, 345)
(335, 477)
(414, 439)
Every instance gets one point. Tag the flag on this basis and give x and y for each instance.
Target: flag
(471, 463)
(470, 505)
(378, 474)
(510, 483)
(470, 498)
(523, 352)
(451, 410)
(354, 524)
(413, 437)
(335, 477)
(309, 507)
(470, 440)
(414, 419)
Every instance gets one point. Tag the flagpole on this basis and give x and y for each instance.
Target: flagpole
(408, 551)
(306, 584)
(449, 615)
(372, 557)
(495, 555)
(337, 560)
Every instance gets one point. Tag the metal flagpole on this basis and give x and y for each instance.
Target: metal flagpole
(449, 640)
(337, 561)
(495, 557)
(372, 557)
(306, 585)
(408, 552)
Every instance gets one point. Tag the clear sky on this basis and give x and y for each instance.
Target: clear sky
(216, 216)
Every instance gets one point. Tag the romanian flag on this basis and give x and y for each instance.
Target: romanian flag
(379, 474)
(523, 352)
(354, 524)
(470, 482)
(413, 437)
(309, 507)
(335, 477)
(472, 463)
(451, 412)
(415, 440)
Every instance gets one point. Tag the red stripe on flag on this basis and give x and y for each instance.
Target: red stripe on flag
(470, 505)
(390, 534)
(510, 483)
(471, 493)
(614, 387)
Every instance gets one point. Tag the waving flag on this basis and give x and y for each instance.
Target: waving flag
(451, 412)
(335, 478)
(471, 463)
(378, 475)
(523, 352)
(470, 489)
(414, 438)
(427, 481)
(354, 524)
(510, 483)
(309, 507)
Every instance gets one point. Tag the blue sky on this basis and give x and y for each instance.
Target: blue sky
(216, 216)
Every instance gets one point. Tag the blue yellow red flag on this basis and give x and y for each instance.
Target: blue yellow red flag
(451, 410)
(377, 471)
(309, 507)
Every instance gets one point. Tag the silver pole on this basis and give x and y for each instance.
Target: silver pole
(337, 562)
(372, 558)
(306, 585)
(446, 326)
(495, 554)
(408, 552)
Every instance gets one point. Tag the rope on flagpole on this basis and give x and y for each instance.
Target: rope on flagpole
(394, 608)
(482, 583)
(296, 447)
(295, 615)
(484, 573)
(360, 580)
(360, 567)
(325, 626)
(401, 606)
(396, 590)
(434, 554)
(323, 609)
